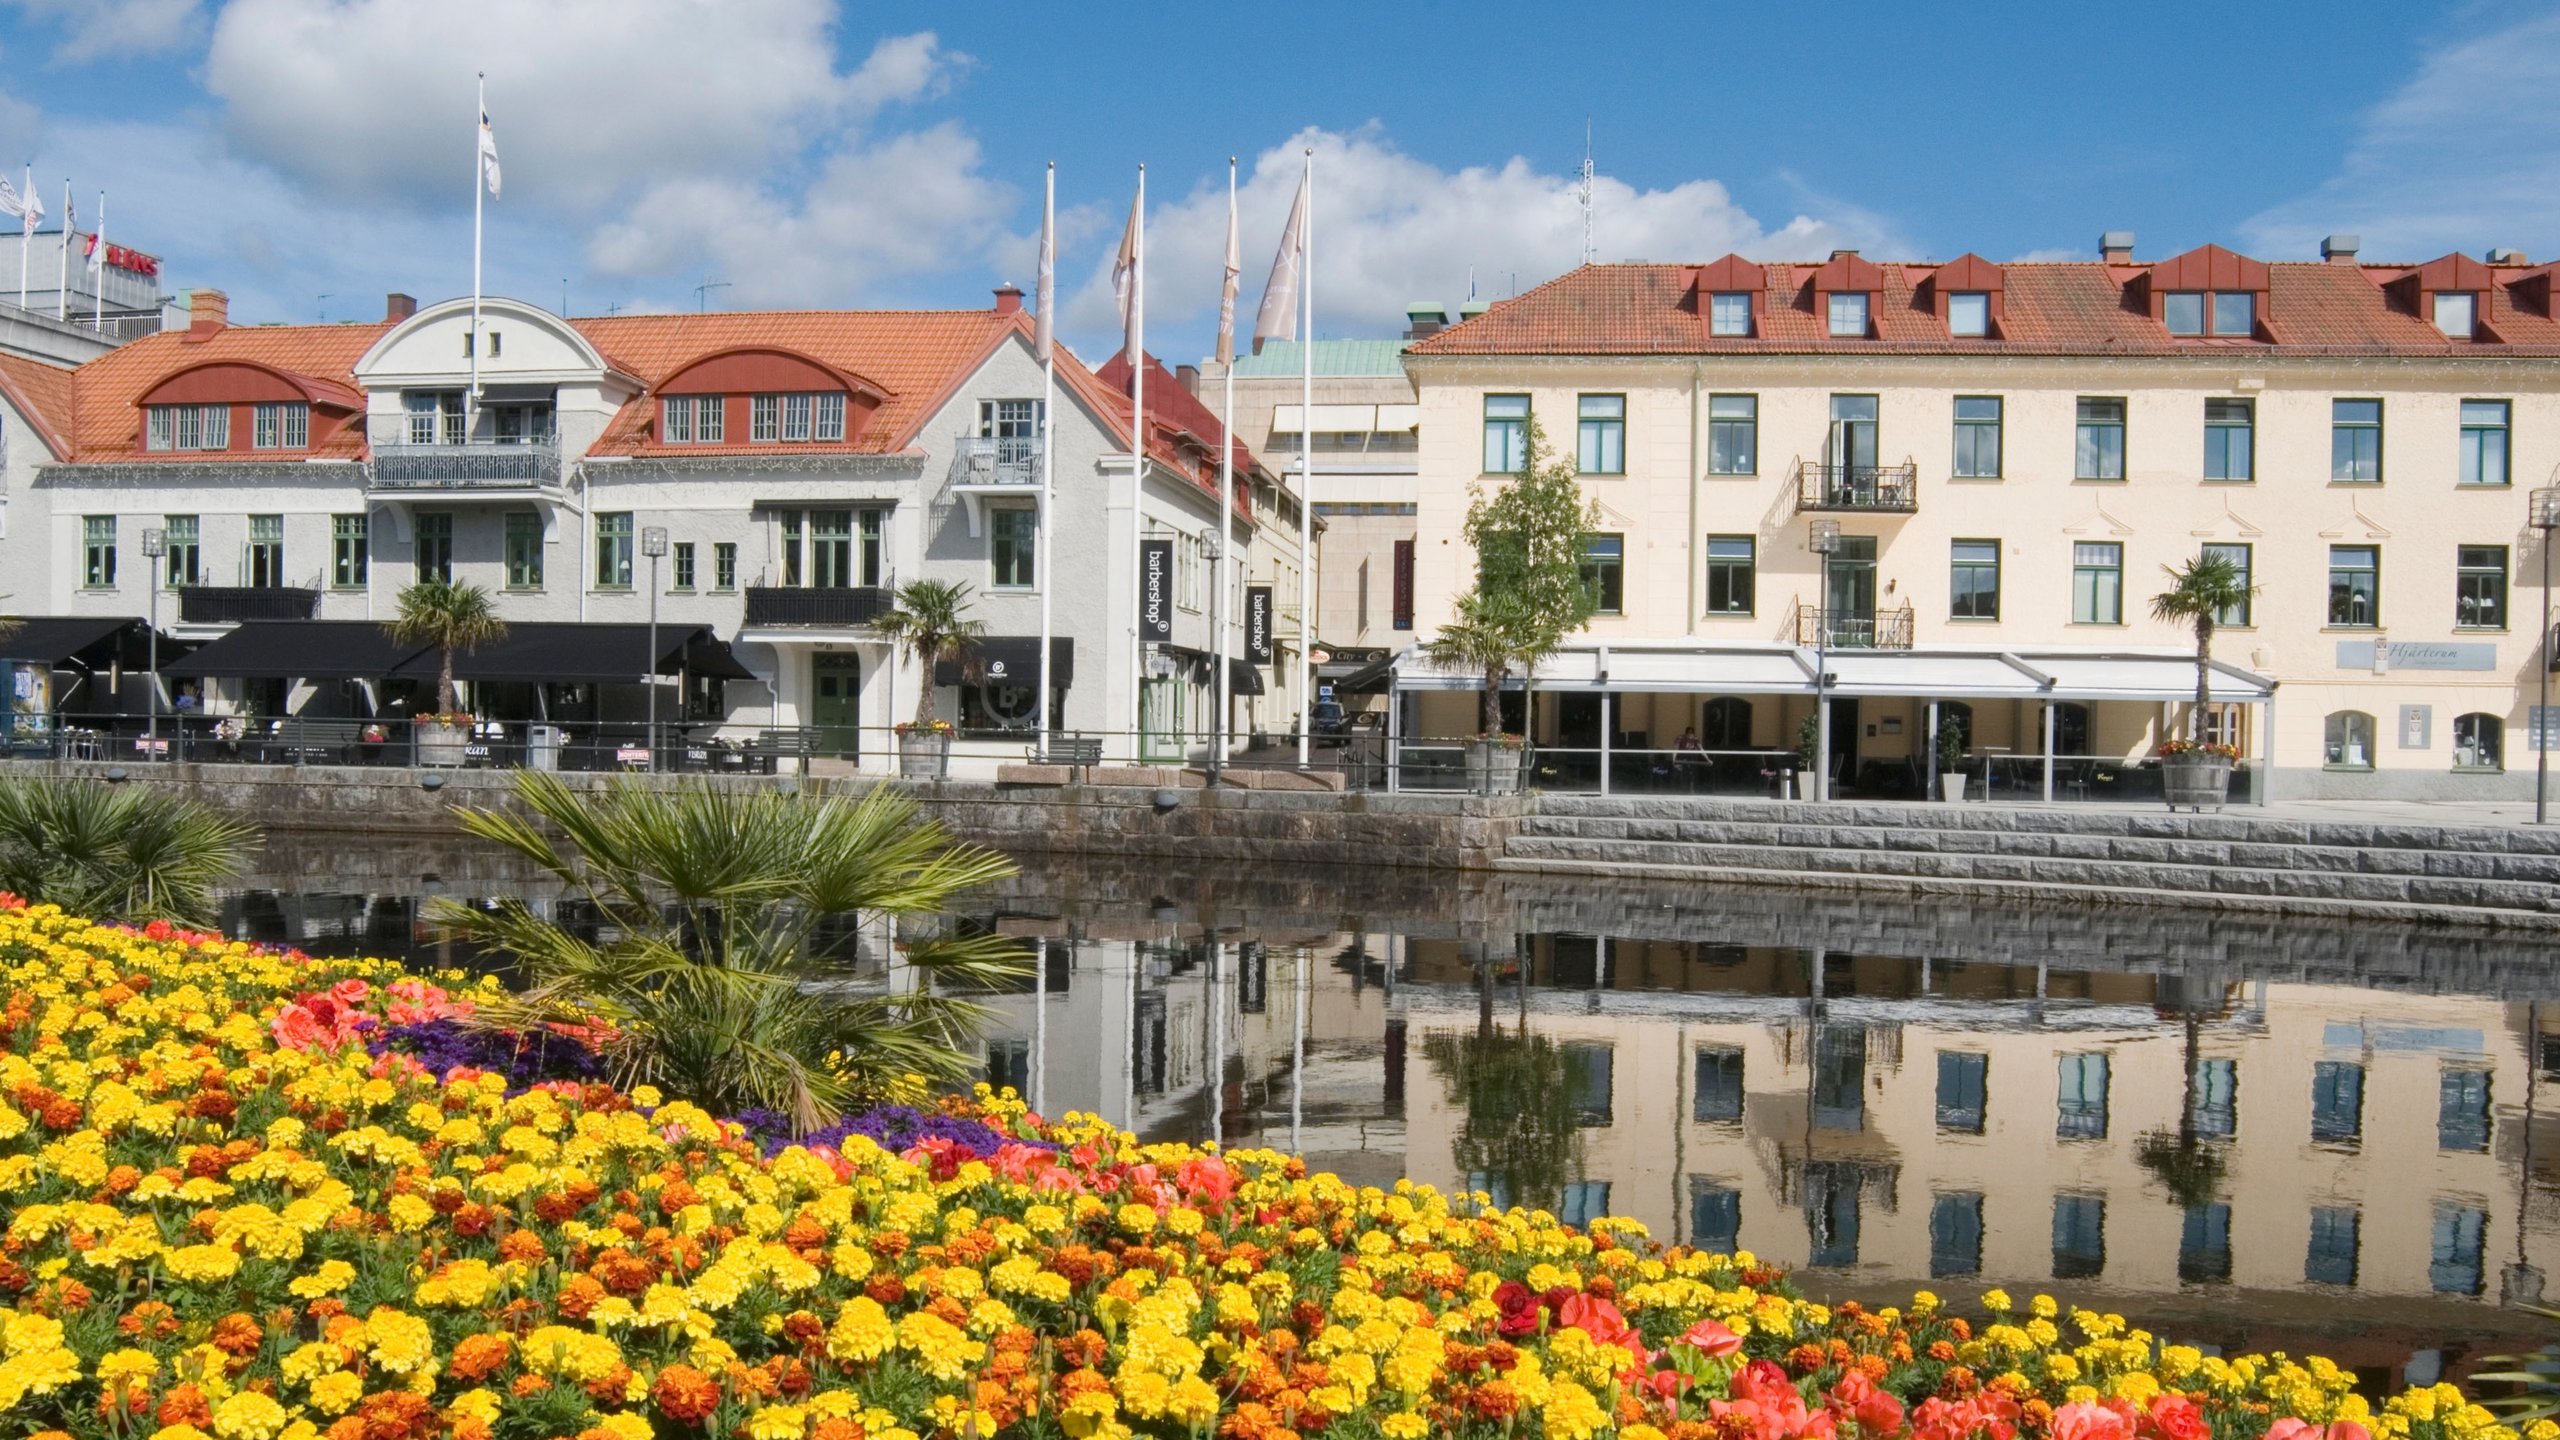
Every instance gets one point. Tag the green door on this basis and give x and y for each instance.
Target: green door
(836, 681)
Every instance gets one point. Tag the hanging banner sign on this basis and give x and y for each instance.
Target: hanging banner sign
(1257, 624)
(1155, 590)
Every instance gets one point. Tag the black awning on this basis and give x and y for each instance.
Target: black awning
(1369, 679)
(90, 642)
(301, 650)
(1243, 677)
(1011, 660)
(709, 657)
(568, 652)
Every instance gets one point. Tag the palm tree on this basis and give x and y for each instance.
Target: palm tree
(2200, 592)
(931, 623)
(1485, 639)
(722, 962)
(450, 617)
(116, 852)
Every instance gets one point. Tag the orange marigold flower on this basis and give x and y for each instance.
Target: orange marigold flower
(185, 1405)
(838, 1427)
(476, 1357)
(684, 1393)
(237, 1334)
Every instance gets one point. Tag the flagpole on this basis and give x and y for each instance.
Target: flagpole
(98, 301)
(1307, 468)
(26, 232)
(62, 287)
(1048, 437)
(1226, 480)
(479, 171)
(1138, 474)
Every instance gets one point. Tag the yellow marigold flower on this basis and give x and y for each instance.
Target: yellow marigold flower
(1136, 1219)
(398, 1342)
(626, 1425)
(1996, 1301)
(332, 1277)
(1405, 1425)
(248, 1415)
(202, 1264)
(862, 1331)
(337, 1392)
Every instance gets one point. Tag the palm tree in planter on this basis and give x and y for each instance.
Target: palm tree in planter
(931, 623)
(452, 618)
(2194, 771)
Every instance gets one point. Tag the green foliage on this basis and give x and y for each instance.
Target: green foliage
(1515, 1094)
(2534, 1378)
(1528, 535)
(1808, 745)
(720, 958)
(2198, 591)
(1952, 741)
(931, 622)
(130, 852)
(450, 617)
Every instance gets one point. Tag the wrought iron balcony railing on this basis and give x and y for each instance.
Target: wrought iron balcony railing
(228, 604)
(996, 460)
(849, 607)
(1848, 630)
(1888, 489)
(481, 465)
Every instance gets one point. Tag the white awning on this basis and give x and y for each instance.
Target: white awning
(1393, 417)
(1673, 668)
(2144, 677)
(1901, 672)
(1337, 419)
(1705, 672)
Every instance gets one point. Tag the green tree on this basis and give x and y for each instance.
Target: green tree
(2190, 1170)
(2200, 591)
(721, 960)
(450, 617)
(931, 623)
(119, 852)
(1517, 1132)
(1528, 535)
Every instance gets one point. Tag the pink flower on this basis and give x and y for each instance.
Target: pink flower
(350, 992)
(2290, 1428)
(1603, 1322)
(1711, 1340)
(2081, 1420)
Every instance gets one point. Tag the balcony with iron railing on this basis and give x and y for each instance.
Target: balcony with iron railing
(995, 460)
(845, 607)
(1849, 630)
(230, 604)
(474, 465)
(1864, 489)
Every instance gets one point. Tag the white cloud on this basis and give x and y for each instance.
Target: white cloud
(2464, 156)
(115, 29)
(1392, 229)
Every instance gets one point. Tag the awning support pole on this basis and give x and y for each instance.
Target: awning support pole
(1929, 747)
(2048, 752)
(1608, 722)
(2262, 779)
(1395, 733)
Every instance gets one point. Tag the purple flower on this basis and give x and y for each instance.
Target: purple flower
(525, 1059)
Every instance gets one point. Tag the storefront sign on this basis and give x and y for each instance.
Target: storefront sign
(2417, 727)
(2539, 722)
(2419, 655)
(1155, 590)
(1257, 624)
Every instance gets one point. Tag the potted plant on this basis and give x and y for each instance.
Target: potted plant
(1951, 740)
(2194, 772)
(931, 623)
(450, 617)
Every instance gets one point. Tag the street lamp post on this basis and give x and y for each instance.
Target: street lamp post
(155, 543)
(1214, 554)
(1824, 540)
(653, 543)
(2546, 519)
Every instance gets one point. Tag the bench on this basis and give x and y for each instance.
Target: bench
(326, 741)
(770, 747)
(1078, 753)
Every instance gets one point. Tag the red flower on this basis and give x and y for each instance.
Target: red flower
(684, 1393)
(2292, 1429)
(2175, 1417)
(1520, 1309)
(1711, 1340)
(2081, 1420)
(1856, 1398)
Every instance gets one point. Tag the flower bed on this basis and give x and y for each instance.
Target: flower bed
(238, 1207)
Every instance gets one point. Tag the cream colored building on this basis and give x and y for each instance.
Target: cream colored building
(2010, 456)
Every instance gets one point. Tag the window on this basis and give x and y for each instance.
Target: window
(2081, 1107)
(1012, 547)
(1832, 1205)
(435, 416)
(1603, 449)
(2479, 742)
(2348, 741)
(1963, 1090)
(2240, 558)
(2484, 442)
(1604, 571)
(266, 551)
(831, 549)
(2079, 1236)
(180, 566)
(2214, 1110)
(350, 553)
(1719, 1092)
(1973, 580)
(2480, 587)
(1840, 1079)
(524, 550)
(187, 427)
(1591, 1083)
(1724, 723)
(2454, 1256)
(613, 550)
(1729, 313)
(2183, 312)
(1584, 1202)
(689, 420)
(1977, 437)
(2234, 313)
(2097, 583)
(2458, 313)
(2227, 449)
(2100, 452)
(684, 565)
(1849, 315)
(764, 419)
(434, 548)
(2331, 1258)
(1715, 1216)
(2355, 585)
(2462, 1110)
(2337, 1102)
(1506, 433)
(98, 543)
(1955, 1235)
(282, 425)
(829, 422)
(724, 566)
(870, 551)
(1968, 313)
(2204, 1244)
(1733, 434)
(2355, 441)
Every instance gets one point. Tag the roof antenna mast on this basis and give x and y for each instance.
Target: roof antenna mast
(1588, 253)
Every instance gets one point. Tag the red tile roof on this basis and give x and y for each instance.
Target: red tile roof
(2070, 308)
(1175, 415)
(42, 392)
(106, 422)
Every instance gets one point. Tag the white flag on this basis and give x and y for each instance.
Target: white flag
(488, 154)
(13, 203)
(1278, 319)
(1125, 280)
(1227, 285)
(1045, 333)
(35, 207)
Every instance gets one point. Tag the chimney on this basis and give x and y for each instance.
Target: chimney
(1189, 375)
(1008, 299)
(1425, 318)
(2503, 256)
(1836, 254)
(1473, 308)
(208, 311)
(397, 307)
(2116, 247)
(2341, 249)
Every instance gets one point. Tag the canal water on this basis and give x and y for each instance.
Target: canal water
(2249, 1133)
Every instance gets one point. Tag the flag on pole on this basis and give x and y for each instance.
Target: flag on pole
(1278, 319)
(26, 207)
(94, 255)
(1227, 284)
(488, 154)
(1124, 282)
(1045, 334)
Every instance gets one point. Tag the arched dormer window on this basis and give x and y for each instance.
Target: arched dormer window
(239, 406)
(763, 396)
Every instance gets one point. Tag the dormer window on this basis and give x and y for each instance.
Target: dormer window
(1969, 314)
(2183, 312)
(187, 427)
(691, 420)
(1849, 314)
(282, 425)
(796, 418)
(2234, 313)
(2458, 313)
(1730, 314)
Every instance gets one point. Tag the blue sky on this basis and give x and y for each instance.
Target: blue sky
(811, 153)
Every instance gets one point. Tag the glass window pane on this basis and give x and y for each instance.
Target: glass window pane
(2183, 313)
(1955, 1235)
(2457, 313)
(2079, 1236)
(1849, 314)
(1969, 314)
(2234, 314)
(2337, 1102)
(1730, 314)
(2335, 1240)
(1719, 1088)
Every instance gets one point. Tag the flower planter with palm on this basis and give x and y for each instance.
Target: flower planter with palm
(451, 618)
(2196, 772)
(931, 623)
